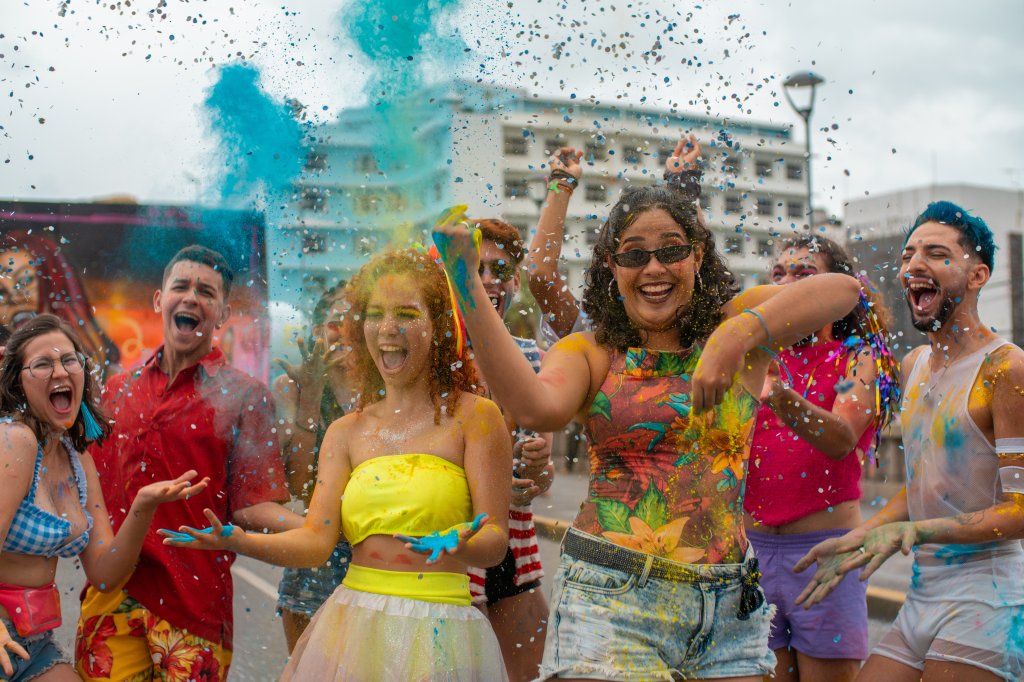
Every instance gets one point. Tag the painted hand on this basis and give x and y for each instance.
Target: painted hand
(449, 540)
(217, 536)
(832, 557)
(158, 493)
(7, 642)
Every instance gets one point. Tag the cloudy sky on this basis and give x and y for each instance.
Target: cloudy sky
(103, 97)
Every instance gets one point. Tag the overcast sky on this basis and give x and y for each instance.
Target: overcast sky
(106, 98)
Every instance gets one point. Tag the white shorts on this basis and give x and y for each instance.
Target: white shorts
(939, 621)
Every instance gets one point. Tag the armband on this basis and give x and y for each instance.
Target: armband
(1009, 446)
(1011, 479)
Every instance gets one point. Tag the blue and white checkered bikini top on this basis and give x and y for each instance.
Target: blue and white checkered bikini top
(38, 532)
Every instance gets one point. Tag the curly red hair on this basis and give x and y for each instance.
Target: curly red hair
(450, 374)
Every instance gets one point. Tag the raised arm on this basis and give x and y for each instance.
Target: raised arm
(558, 306)
(760, 322)
(538, 402)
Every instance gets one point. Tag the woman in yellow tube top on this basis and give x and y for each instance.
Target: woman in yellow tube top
(418, 467)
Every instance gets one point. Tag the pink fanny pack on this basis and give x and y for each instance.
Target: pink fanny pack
(32, 609)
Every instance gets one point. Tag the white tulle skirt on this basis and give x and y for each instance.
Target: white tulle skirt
(364, 637)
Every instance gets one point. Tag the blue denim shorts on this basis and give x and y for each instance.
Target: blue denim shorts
(607, 624)
(43, 654)
(303, 590)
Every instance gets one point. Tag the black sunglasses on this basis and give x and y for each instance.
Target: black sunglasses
(637, 258)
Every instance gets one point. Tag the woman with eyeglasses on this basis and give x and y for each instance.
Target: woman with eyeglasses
(310, 396)
(656, 579)
(51, 504)
(35, 278)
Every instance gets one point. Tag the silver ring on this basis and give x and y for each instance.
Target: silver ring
(862, 550)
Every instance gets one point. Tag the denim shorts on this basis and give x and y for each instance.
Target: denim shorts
(303, 590)
(607, 624)
(43, 654)
(835, 628)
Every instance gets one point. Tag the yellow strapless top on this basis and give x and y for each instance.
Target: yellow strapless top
(407, 494)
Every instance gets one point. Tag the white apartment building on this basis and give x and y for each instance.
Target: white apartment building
(877, 226)
(754, 186)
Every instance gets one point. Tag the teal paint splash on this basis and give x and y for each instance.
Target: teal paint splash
(260, 143)
(402, 40)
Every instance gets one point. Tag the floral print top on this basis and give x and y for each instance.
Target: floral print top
(665, 481)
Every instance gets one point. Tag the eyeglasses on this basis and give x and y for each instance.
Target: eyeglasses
(42, 368)
(637, 258)
(501, 270)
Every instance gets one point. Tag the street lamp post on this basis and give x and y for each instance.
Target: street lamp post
(802, 86)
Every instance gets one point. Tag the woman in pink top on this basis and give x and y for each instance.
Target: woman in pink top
(817, 422)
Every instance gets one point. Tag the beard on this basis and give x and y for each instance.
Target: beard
(936, 321)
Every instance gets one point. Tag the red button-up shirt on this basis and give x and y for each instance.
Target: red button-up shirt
(218, 421)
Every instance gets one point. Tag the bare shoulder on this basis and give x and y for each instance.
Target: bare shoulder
(908, 362)
(1004, 369)
(474, 411)
(17, 438)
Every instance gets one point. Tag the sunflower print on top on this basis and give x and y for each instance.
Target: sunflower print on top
(664, 480)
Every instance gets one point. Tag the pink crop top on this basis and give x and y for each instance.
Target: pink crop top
(789, 478)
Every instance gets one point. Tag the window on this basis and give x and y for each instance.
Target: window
(731, 164)
(312, 243)
(515, 145)
(316, 161)
(596, 193)
(733, 245)
(705, 201)
(764, 247)
(395, 201)
(733, 203)
(552, 145)
(631, 155)
(795, 209)
(313, 199)
(517, 187)
(794, 170)
(365, 163)
(764, 206)
(663, 155)
(595, 151)
(364, 202)
(763, 168)
(365, 243)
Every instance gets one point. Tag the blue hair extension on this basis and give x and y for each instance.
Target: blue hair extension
(92, 427)
(970, 226)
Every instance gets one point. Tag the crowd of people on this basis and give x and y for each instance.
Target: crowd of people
(392, 469)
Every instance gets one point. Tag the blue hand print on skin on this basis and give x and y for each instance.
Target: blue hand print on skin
(225, 532)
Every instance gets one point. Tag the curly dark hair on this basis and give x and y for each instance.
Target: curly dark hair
(837, 260)
(451, 374)
(715, 284)
(12, 396)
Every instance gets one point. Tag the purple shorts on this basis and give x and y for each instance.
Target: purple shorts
(835, 628)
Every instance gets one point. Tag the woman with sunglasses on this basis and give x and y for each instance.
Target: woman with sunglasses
(656, 579)
(51, 504)
(310, 396)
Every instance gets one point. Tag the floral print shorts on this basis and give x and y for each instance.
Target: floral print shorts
(120, 639)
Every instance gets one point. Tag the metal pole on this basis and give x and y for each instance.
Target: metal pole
(810, 200)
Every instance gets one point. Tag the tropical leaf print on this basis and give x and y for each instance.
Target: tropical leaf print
(661, 430)
(613, 515)
(669, 364)
(652, 508)
(601, 407)
(678, 402)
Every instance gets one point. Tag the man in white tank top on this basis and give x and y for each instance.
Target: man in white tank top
(962, 511)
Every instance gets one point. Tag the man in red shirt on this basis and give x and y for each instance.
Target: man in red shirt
(186, 407)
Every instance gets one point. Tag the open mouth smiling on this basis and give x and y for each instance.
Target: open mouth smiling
(392, 357)
(60, 399)
(186, 322)
(923, 293)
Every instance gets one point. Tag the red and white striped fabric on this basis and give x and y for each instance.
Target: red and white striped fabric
(522, 540)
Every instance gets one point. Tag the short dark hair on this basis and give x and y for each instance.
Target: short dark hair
(975, 235)
(204, 256)
(12, 396)
(505, 235)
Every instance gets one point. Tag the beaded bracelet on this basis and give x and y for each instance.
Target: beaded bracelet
(562, 175)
